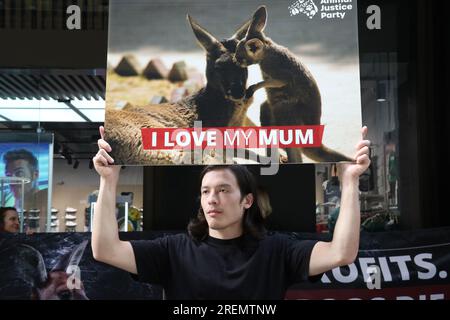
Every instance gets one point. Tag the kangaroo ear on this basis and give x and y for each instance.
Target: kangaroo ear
(254, 46)
(206, 40)
(77, 254)
(71, 258)
(258, 22)
(242, 31)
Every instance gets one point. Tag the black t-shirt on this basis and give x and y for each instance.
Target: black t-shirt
(241, 268)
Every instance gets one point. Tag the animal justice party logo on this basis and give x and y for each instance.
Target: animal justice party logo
(329, 9)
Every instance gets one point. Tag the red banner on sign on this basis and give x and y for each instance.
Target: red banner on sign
(232, 137)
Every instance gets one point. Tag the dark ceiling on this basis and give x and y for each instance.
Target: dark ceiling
(52, 84)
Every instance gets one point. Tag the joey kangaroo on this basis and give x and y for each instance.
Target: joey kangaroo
(222, 102)
(293, 97)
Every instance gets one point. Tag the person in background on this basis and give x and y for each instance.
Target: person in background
(22, 163)
(9, 220)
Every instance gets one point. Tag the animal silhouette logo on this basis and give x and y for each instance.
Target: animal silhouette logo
(306, 7)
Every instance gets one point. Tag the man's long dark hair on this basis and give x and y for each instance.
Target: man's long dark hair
(253, 220)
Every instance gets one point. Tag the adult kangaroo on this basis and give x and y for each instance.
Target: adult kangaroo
(222, 102)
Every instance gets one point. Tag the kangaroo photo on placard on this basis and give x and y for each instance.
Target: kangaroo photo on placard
(211, 82)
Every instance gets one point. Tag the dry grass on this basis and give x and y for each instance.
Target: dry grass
(136, 90)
